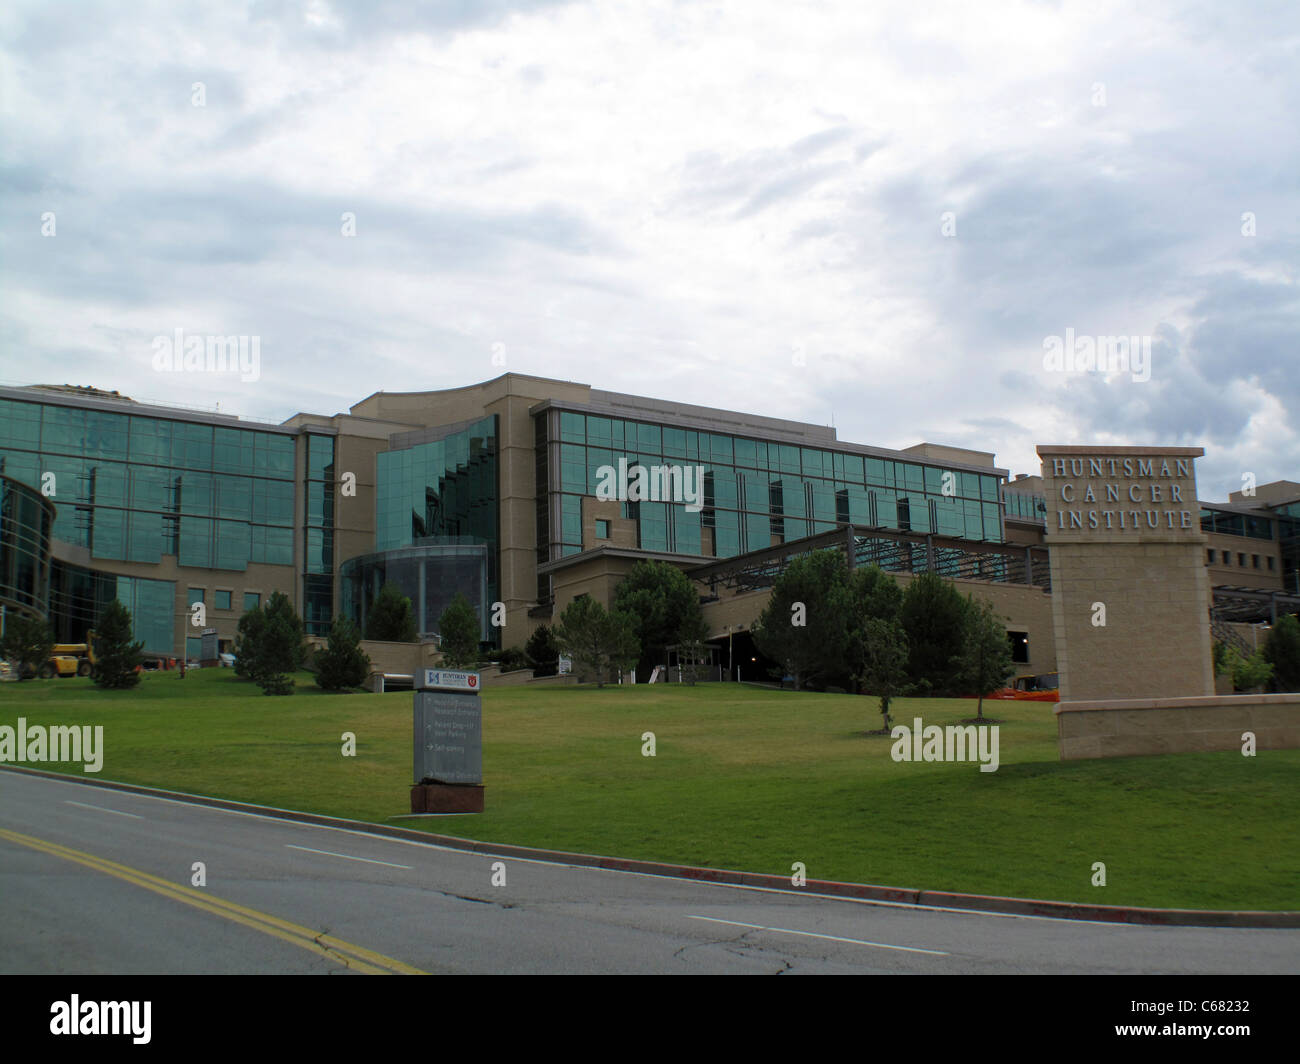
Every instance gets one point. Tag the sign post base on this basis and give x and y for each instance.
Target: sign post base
(447, 798)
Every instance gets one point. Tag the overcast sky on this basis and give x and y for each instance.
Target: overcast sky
(876, 214)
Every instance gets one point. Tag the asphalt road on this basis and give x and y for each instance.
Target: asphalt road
(94, 881)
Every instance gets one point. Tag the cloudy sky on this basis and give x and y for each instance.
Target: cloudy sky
(871, 214)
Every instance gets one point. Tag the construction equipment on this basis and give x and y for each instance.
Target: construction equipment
(71, 659)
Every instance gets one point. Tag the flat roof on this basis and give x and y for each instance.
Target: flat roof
(57, 396)
(732, 423)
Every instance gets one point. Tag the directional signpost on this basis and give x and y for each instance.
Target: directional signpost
(448, 743)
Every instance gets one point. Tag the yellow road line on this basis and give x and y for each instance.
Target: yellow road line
(357, 958)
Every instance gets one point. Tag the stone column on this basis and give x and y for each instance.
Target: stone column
(1130, 590)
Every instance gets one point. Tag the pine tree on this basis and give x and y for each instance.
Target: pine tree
(542, 651)
(459, 629)
(248, 641)
(279, 606)
(116, 656)
(278, 655)
(600, 641)
(391, 618)
(341, 663)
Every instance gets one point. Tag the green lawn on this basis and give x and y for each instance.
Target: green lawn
(744, 779)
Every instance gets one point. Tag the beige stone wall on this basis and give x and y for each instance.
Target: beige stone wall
(1135, 727)
(1156, 639)
(1240, 570)
(622, 530)
(401, 659)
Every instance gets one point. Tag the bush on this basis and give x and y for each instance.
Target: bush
(1282, 651)
(1247, 673)
(512, 659)
(342, 664)
(116, 657)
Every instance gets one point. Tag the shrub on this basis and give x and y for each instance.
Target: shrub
(1282, 651)
(342, 664)
(28, 643)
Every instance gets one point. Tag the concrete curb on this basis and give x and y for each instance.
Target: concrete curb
(826, 888)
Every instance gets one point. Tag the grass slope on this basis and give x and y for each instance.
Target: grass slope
(743, 778)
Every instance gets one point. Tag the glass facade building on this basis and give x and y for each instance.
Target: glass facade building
(26, 523)
(430, 575)
(437, 523)
(135, 487)
(755, 493)
(318, 535)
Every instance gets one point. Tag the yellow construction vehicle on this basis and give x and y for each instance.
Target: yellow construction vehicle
(71, 659)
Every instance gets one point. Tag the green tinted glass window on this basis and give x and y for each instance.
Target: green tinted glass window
(109, 534)
(20, 424)
(573, 427)
(320, 457)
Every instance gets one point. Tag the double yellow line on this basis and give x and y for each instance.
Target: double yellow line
(355, 958)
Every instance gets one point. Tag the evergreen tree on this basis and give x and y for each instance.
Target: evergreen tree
(391, 618)
(459, 628)
(933, 615)
(542, 651)
(342, 664)
(986, 653)
(1282, 650)
(28, 643)
(248, 641)
(116, 656)
(665, 607)
(805, 623)
(279, 606)
(279, 654)
(600, 641)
